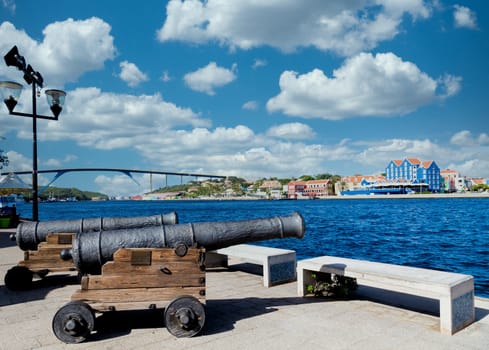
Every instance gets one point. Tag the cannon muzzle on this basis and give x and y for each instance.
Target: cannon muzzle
(30, 234)
(91, 251)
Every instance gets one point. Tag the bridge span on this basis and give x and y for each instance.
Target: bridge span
(128, 172)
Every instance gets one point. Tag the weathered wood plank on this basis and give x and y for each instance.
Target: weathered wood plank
(149, 281)
(138, 278)
(153, 261)
(158, 254)
(154, 304)
(47, 257)
(117, 268)
(52, 265)
(132, 295)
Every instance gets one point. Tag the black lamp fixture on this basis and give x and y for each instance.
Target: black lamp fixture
(10, 92)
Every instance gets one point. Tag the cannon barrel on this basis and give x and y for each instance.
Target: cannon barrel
(90, 252)
(30, 234)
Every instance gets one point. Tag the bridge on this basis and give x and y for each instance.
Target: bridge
(128, 172)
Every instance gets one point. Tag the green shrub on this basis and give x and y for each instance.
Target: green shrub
(327, 285)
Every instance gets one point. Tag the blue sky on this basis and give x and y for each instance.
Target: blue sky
(251, 88)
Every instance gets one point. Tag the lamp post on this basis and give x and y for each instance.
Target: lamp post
(10, 92)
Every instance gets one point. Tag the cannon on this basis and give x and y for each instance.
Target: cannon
(30, 234)
(157, 267)
(42, 243)
(90, 252)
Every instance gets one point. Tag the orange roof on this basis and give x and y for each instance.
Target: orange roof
(427, 164)
(352, 179)
(397, 161)
(318, 181)
(413, 160)
(478, 181)
(356, 179)
(297, 183)
(448, 171)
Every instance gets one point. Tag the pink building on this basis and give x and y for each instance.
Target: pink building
(309, 189)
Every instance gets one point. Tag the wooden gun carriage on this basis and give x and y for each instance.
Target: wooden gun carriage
(159, 267)
(43, 243)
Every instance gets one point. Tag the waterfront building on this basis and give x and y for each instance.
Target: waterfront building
(269, 185)
(478, 181)
(414, 171)
(309, 189)
(295, 189)
(355, 181)
(451, 179)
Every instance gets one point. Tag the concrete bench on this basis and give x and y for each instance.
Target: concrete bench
(454, 291)
(279, 265)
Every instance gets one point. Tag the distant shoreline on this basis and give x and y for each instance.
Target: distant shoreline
(358, 196)
(414, 196)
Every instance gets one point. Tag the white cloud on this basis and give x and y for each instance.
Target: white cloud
(467, 154)
(131, 74)
(69, 49)
(52, 162)
(250, 105)
(18, 162)
(241, 152)
(207, 78)
(448, 85)
(296, 131)
(377, 154)
(9, 5)
(483, 139)
(102, 120)
(344, 27)
(165, 77)
(259, 63)
(472, 168)
(366, 85)
(464, 138)
(122, 185)
(464, 17)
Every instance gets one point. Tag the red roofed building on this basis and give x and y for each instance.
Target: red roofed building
(295, 189)
(416, 172)
(355, 181)
(309, 189)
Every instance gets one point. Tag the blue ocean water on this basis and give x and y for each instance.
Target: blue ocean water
(450, 234)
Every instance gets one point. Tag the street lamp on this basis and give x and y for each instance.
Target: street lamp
(10, 92)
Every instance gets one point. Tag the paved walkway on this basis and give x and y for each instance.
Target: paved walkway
(240, 314)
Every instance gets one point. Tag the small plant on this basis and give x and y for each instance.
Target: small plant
(327, 285)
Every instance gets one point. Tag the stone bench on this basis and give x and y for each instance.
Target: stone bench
(279, 265)
(454, 291)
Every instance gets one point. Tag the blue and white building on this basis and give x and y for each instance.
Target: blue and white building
(414, 171)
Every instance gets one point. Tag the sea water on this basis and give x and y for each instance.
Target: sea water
(450, 234)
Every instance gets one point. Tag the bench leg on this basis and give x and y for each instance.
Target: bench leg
(279, 269)
(304, 278)
(457, 311)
